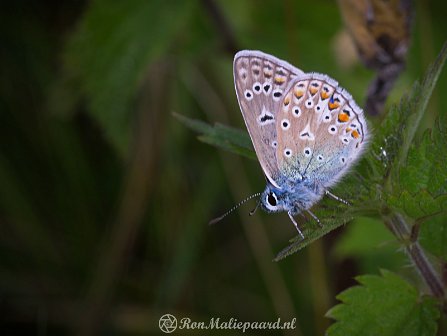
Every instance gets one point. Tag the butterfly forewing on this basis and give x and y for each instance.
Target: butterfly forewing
(261, 82)
(320, 131)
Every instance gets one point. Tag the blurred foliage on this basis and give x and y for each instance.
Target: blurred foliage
(371, 244)
(105, 196)
(111, 50)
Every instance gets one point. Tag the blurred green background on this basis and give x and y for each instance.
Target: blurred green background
(105, 196)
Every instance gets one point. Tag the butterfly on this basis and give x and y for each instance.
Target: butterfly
(306, 130)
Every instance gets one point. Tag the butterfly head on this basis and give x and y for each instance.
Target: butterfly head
(292, 198)
(274, 200)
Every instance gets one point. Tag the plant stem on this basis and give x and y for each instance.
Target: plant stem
(401, 230)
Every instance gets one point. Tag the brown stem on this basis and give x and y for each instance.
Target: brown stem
(381, 86)
(401, 230)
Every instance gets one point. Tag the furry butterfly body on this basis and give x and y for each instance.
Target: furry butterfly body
(306, 130)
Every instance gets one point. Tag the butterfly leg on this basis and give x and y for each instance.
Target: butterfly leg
(328, 193)
(296, 224)
(314, 217)
(252, 212)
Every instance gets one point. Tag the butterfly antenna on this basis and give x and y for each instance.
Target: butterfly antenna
(218, 219)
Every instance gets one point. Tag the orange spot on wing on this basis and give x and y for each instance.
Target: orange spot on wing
(333, 105)
(343, 117)
(298, 93)
(313, 90)
(279, 80)
(355, 134)
(324, 95)
(287, 101)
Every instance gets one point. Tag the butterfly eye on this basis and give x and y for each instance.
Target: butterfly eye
(272, 200)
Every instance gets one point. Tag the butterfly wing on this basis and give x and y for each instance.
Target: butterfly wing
(321, 131)
(261, 80)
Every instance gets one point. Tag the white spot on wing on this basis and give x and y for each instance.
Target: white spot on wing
(248, 95)
(296, 111)
(277, 94)
(257, 88)
(309, 103)
(332, 129)
(307, 152)
(285, 124)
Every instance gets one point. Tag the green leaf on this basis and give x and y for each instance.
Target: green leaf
(331, 216)
(395, 135)
(433, 236)
(418, 205)
(436, 155)
(422, 180)
(411, 176)
(112, 48)
(228, 138)
(421, 190)
(383, 305)
(415, 175)
(417, 102)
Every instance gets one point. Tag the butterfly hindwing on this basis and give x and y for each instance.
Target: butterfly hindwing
(261, 81)
(321, 132)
